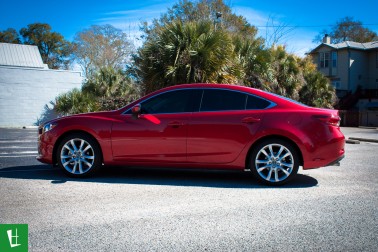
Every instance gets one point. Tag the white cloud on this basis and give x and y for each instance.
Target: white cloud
(300, 43)
(129, 21)
(254, 17)
(297, 40)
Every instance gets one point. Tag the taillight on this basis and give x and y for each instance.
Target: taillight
(329, 119)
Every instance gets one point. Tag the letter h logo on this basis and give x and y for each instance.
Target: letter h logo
(13, 238)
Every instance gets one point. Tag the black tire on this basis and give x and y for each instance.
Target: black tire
(274, 161)
(79, 155)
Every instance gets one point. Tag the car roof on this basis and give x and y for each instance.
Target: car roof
(281, 102)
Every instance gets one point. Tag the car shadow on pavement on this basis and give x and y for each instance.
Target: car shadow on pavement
(154, 176)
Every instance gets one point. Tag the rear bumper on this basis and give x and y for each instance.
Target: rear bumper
(327, 154)
(336, 162)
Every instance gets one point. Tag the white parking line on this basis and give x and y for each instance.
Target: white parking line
(19, 152)
(47, 169)
(18, 147)
(18, 141)
(18, 156)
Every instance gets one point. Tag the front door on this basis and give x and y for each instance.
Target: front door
(160, 132)
(150, 138)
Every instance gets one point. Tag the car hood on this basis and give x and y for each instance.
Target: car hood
(103, 114)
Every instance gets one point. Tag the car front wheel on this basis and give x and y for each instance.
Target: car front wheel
(274, 161)
(79, 155)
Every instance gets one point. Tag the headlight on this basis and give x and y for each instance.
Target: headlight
(47, 127)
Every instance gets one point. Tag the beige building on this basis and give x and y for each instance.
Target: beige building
(352, 69)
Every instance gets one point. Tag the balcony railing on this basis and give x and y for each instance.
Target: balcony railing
(369, 94)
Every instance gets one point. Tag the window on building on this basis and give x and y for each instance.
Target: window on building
(336, 84)
(334, 59)
(324, 59)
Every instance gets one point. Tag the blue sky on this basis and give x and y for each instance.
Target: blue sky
(69, 17)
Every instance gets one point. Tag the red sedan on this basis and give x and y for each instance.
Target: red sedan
(198, 125)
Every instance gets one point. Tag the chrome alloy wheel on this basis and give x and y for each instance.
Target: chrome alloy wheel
(274, 163)
(77, 156)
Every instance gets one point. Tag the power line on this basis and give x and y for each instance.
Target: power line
(303, 26)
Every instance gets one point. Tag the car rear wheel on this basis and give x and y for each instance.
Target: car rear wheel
(274, 161)
(79, 155)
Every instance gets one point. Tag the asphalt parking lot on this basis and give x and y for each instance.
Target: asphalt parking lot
(145, 209)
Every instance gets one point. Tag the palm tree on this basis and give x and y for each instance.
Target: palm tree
(284, 73)
(253, 59)
(192, 52)
(105, 90)
(316, 91)
(74, 102)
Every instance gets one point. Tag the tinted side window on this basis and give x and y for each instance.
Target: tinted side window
(171, 102)
(217, 100)
(254, 102)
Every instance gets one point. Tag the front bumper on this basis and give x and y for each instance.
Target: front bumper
(45, 148)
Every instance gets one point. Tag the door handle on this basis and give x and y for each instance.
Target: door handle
(175, 124)
(250, 120)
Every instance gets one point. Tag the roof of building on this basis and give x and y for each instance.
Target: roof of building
(350, 44)
(17, 55)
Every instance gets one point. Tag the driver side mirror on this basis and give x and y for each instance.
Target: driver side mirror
(136, 111)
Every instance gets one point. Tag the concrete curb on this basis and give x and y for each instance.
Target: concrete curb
(367, 127)
(349, 141)
(30, 127)
(363, 139)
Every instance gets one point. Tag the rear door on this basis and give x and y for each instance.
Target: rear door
(226, 122)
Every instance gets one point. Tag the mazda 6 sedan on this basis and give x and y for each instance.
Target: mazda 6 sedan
(213, 126)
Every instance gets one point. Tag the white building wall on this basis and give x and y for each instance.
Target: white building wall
(24, 93)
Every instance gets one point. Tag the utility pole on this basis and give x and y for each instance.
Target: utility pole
(218, 16)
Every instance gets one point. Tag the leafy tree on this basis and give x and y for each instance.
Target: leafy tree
(254, 60)
(215, 11)
(276, 32)
(10, 35)
(75, 102)
(347, 29)
(109, 82)
(105, 90)
(199, 38)
(52, 46)
(316, 91)
(101, 46)
(277, 71)
(284, 73)
(296, 78)
(113, 103)
(191, 43)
